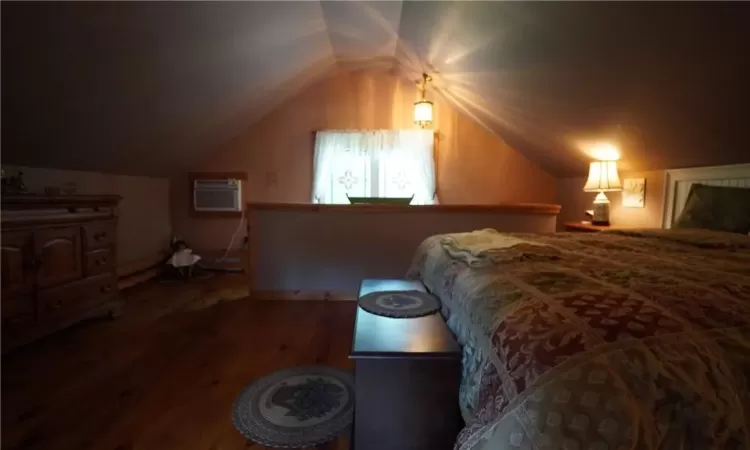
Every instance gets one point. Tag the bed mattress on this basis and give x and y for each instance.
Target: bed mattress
(623, 339)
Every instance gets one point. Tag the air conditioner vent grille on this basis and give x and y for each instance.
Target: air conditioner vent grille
(217, 195)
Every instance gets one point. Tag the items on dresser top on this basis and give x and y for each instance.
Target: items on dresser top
(58, 263)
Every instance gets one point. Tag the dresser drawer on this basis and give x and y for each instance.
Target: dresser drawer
(84, 294)
(98, 261)
(18, 319)
(17, 312)
(58, 255)
(98, 235)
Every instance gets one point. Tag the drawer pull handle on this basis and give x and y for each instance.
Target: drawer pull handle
(101, 262)
(100, 236)
(106, 289)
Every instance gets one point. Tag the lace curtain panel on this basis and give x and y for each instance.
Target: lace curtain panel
(382, 163)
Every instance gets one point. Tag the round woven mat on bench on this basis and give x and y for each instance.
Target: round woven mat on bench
(296, 408)
(400, 304)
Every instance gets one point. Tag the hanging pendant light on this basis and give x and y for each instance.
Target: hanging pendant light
(423, 108)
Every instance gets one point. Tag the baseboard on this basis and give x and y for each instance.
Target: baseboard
(139, 277)
(327, 296)
(133, 267)
(128, 275)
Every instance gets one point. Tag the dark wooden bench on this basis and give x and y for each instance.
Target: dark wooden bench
(407, 374)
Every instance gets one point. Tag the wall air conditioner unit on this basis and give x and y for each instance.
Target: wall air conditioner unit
(217, 195)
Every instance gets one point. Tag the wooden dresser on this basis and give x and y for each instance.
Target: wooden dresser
(58, 263)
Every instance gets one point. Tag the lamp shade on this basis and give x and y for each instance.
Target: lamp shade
(423, 113)
(603, 177)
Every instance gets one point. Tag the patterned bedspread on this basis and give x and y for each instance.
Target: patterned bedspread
(616, 340)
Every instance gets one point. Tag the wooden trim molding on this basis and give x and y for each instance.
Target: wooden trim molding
(216, 176)
(138, 278)
(250, 265)
(137, 272)
(214, 214)
(54, 210)
(51, 218)
(16, 201)
(155, 259)
(328, 296)
(520, 208)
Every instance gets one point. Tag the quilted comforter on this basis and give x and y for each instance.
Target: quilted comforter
(616, 340)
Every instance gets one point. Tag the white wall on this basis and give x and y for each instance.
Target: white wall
(574, 201)
(144, 225)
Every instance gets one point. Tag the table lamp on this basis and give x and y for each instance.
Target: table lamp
(603, 177)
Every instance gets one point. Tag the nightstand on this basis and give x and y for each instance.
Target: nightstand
(590, 228)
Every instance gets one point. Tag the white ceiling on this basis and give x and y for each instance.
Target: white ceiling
(146, 87)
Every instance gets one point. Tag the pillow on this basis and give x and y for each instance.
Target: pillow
(716, 208)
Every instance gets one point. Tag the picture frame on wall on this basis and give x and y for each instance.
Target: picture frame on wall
(634, 192)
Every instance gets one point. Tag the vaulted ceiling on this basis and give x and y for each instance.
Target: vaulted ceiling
(147, 87)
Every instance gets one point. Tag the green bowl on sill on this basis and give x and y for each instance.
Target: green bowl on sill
(380, 200)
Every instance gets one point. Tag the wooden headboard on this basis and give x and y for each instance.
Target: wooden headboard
(677, 185)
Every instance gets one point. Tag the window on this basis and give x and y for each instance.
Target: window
(374, 164)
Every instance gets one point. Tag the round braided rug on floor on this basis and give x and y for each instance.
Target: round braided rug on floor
(296, 407)
(401, 304)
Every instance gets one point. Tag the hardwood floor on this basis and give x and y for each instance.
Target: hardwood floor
(154, 381)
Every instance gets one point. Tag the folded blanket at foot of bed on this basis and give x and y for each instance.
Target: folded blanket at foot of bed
(485, 247)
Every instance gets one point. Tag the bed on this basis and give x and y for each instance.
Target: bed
(622, 339)
(614, 340)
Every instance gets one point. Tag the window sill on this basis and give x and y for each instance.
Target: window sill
(521, 208)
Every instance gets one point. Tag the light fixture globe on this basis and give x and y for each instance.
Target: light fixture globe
(423, 113)
(423, 108)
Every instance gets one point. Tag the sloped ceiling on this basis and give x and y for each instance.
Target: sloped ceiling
(147, 87)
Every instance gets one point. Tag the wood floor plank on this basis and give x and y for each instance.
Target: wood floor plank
(162, 376)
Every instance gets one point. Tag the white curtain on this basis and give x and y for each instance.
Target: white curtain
(381, 163)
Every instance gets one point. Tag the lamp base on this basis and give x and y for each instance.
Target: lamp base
(601, 210)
